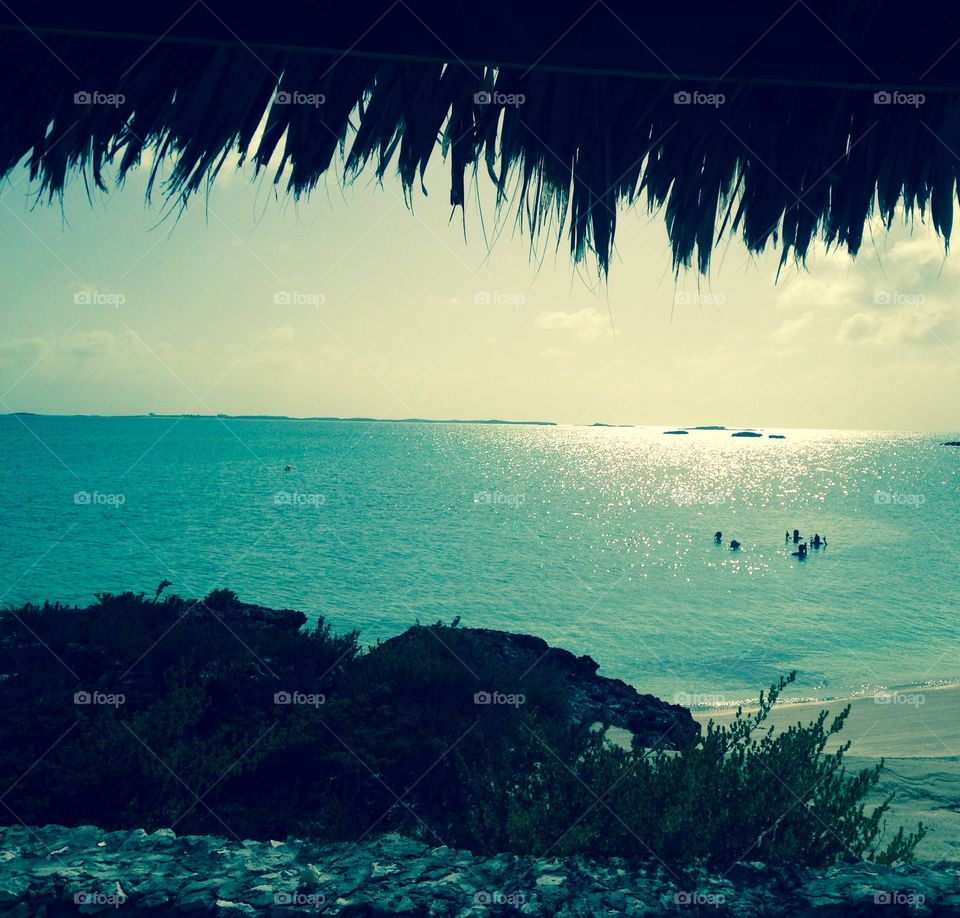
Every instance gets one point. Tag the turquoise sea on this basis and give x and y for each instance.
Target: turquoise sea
(597, 539)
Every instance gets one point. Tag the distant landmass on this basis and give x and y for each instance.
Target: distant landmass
(284, 417)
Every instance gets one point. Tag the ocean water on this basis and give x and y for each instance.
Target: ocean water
(599, 540)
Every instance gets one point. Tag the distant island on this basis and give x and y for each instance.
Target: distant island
(739, 432)
(742, 432)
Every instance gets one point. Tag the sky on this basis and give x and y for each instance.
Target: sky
(351, 304)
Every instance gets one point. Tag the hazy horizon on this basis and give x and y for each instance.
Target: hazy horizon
(533, 422)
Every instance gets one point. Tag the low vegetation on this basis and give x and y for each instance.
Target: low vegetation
(171, 713)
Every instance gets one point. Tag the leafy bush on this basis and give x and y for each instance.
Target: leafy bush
(737, 792)
(397, 742)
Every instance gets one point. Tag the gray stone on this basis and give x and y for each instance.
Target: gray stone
(210, 876)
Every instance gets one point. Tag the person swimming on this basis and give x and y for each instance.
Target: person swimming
(718, 537)
(816, 540)
(801, 551)
(734, 545)
(786, 537)
(796, 536)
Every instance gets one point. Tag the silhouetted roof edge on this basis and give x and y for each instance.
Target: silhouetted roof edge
(778, 160)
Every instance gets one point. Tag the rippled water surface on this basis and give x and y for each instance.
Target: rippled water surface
(597, 539)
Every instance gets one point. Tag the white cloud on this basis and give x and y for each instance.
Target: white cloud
(919, 250)
(918, 327)
(859, 327)
(588, 323)
(790, 329)
(829, 289)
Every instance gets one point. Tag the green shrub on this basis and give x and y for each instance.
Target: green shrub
(398, 743)
(737, 792)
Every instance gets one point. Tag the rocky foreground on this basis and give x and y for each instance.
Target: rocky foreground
(53, 871)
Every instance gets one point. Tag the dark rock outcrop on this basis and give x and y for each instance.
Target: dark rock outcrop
(52, 871)
(248, 614)
(592, 697)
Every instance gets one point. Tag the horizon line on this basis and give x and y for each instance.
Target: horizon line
(703, 428)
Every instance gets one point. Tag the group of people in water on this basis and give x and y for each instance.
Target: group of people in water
(816, 542)
(801, 552)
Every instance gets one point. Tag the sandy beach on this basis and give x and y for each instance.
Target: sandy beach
(917, 733)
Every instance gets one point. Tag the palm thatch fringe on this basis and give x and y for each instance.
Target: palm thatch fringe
(779, 165)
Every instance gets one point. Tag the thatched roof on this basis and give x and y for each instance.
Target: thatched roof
(786, 142)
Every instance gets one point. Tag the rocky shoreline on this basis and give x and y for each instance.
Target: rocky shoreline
(592, 698)
(51, 871)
